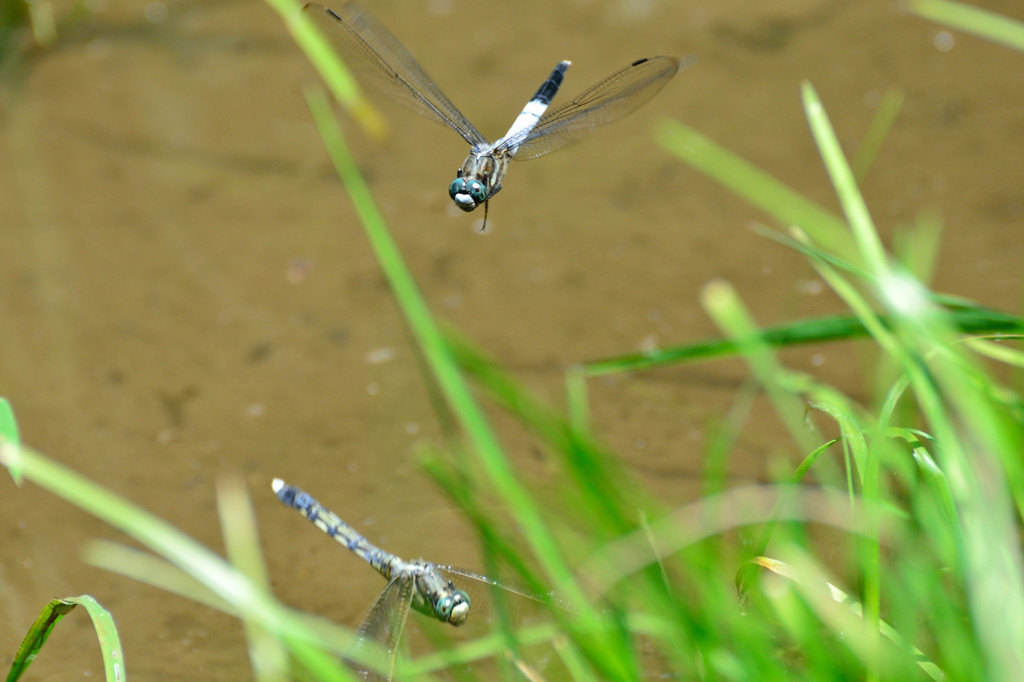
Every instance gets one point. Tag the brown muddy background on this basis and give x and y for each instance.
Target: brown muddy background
(185, 292)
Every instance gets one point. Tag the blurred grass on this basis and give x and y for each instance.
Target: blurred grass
(330, 67)
(980, 22)
(15, 32)
(181, 561)
(29, 27)
(889, 549)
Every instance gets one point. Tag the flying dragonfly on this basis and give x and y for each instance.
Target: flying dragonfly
(426, 587)
(381, 60)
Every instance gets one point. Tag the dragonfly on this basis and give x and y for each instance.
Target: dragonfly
(426, 587)
(383, 62)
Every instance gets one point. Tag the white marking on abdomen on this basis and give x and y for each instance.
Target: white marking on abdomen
(536, 107)
(527, 118)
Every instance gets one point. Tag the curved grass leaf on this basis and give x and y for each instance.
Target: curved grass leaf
(53, 613)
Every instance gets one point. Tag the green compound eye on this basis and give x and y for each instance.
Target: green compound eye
(460, 609)
(478, 191)
(467, 195)
(458, 186)
(444, 606)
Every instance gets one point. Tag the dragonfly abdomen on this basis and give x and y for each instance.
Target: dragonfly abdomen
(535, 108)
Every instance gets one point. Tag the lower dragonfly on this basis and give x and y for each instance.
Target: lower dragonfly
(380, 59)
(420, 584)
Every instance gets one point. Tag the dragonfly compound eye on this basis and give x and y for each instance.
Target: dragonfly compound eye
(478, 191)
(460, 608)
(458, 186)
(443, 607)
(463, 195)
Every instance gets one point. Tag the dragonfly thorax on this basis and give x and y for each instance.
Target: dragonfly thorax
(479, 178)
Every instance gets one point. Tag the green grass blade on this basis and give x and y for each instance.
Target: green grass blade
(576, 396)
(881, 124)
(753, 184)
(151, 570)
(139, 524)
(969, 320)
(998, 351)
(854, 207)
(488, 646)
(831, 592)
(330, 67)
(8, 424)
(110, 641)
(917, 249)
(995, 27)
(723, 305)
(53, 613)
(269, 657)
(9, 434)
(747, 572)
(206, 567)
(710, 516)
(612, 498)
(37, 635)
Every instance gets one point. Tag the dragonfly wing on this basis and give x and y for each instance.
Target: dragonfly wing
(384, 63)
(606, 102)
(524, 603)
(507, 607)
(508, 587)
(384, 626)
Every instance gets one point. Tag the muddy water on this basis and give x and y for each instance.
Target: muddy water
(186, 294)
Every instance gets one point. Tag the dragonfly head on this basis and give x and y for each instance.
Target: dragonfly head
(453, 608)
(479, 178)
(467, 194)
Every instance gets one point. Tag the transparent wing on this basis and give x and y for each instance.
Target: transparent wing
(506, 606)
(525, 603)
(508, 587)
(384, 626)
(604, 103)
(379, 59)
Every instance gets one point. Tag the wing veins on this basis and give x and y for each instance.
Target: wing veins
(389, 67)
(605, 102)
(386, 628)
